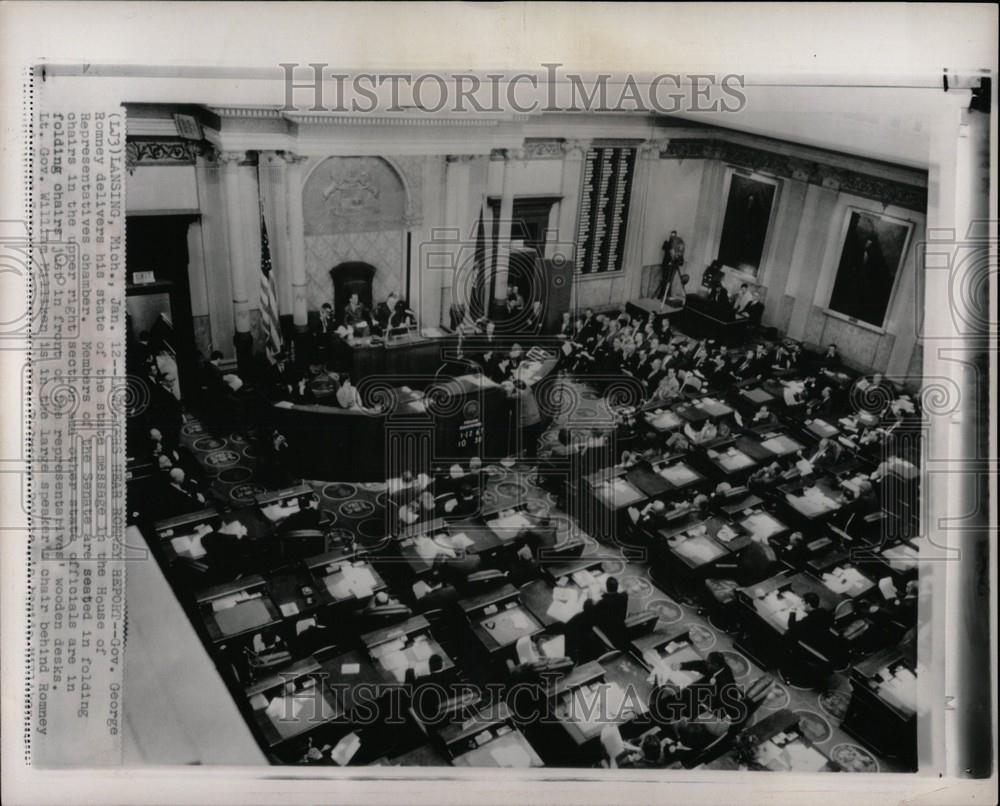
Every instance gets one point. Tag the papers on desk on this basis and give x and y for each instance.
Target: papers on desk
(567, 605)
(461, 541)
(289, 609)
(779, 607)
(725, 534)
(762, 525)
(422, 649)
(794, 756)
(846, 580)
(510, 755)
(350, 668)
(228, 602)
(618, 492)
(678, 474)
(506, 523)
(428, 549)
(583, 578)
(346, 749)
(887, 588)
(278, 511)
(899, 689)
(188, 546)
(734, 459)
(352, 580)
(781, 445)
(554, 647)
(901, 558)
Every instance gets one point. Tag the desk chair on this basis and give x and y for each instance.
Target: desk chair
(853, 628)
(480, 581)
(754, 696)
(613, 744)
(808, 666)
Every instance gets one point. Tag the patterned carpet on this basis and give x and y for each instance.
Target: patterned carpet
(229, 464)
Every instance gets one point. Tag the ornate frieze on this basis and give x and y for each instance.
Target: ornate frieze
(881, 189)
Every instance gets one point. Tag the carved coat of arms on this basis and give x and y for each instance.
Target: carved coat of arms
(352, 194)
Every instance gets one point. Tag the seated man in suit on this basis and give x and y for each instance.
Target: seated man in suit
(464, 503)
(356, 314)
(401, 317)
(307, 518)
(827, 455)
(323, 332)
(814, 628)
(384, 607)
(228, 551)
(717, 682)
(610, 612)
(383, 312)
(185, 495)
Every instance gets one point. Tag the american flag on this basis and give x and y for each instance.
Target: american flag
(268, 295)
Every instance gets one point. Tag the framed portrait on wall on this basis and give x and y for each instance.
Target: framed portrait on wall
(870, 260)
(744, 228)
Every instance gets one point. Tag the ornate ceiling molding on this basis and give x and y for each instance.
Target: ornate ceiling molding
(881, 189)
(160, 152)
(543, 148)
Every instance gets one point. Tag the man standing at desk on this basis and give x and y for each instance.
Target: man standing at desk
(610, 612)
(529, 417)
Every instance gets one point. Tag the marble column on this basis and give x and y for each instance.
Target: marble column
(229, 162)
(574, 152)
(810, 245)
(787, 221)
(702, 248)
(503, 232)
(646, 158)
(297, 250)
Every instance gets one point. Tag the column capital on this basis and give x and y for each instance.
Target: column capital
(291, 157)
(230, 158)
(272, 159)
(651, 149)
(577, 149)
(508, 154)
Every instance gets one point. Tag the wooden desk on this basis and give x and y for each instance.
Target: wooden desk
(596, 694)
(663, 420)
(249, 609)
(422, 542)
(729, 463)
(295, 592)
(692, 413)
(280, 716)
(177, 537)
(827, 498)
(385, 645)
(644, 478)
(883, 707)
(679, 475)
(508, 748)
(783, 747)
(539, 595)
(780, 444)
(498, 619)
(766, 615)
(829, 567)
(352, 680)
(345, 579)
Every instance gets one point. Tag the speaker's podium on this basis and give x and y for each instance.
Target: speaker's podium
(657, 309)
